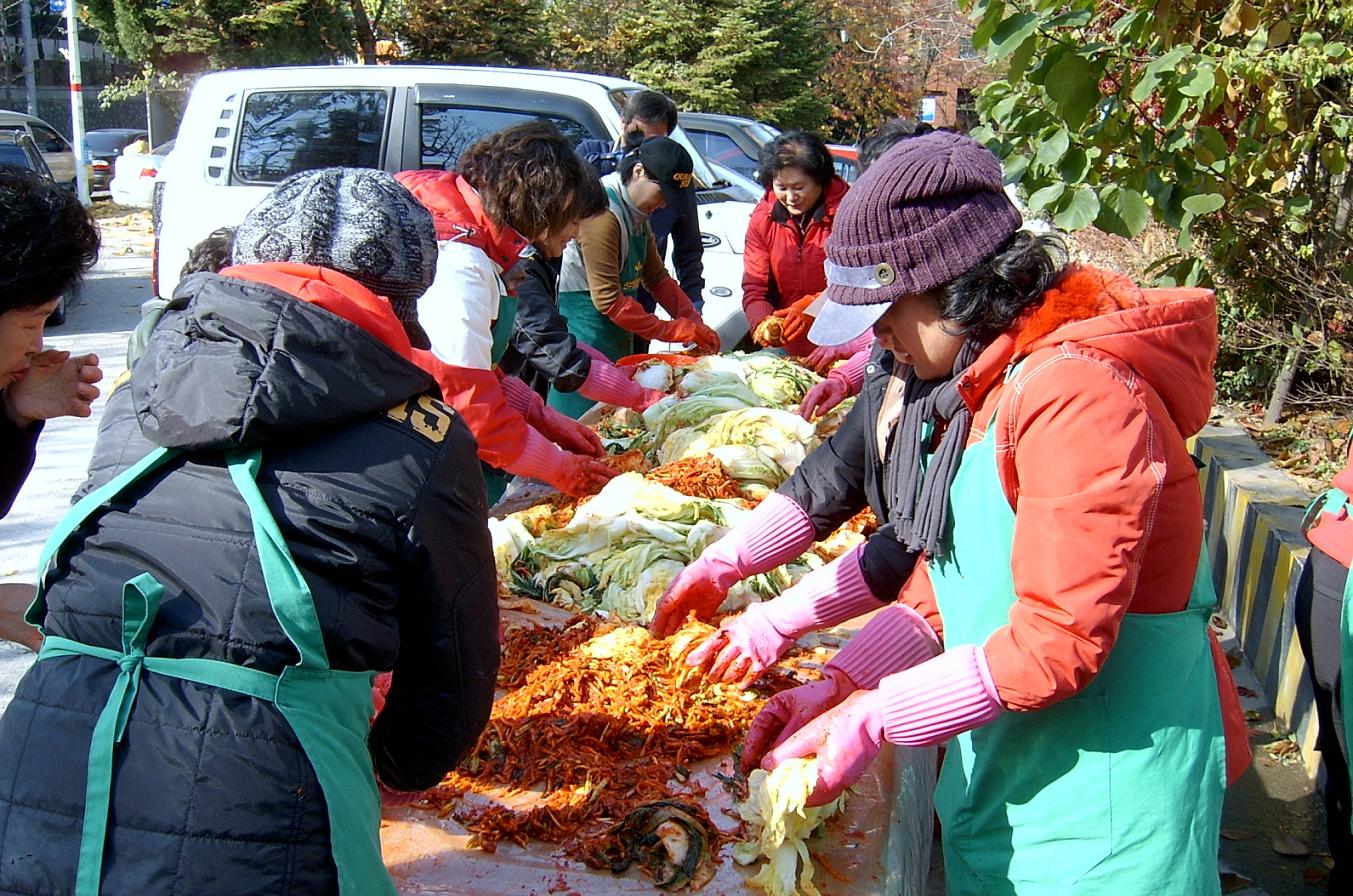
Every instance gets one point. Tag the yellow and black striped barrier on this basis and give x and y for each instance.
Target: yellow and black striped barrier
(1254, 539)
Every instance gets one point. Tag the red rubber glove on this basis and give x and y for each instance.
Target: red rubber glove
(580, 476)
(788, 711)
(566, 432)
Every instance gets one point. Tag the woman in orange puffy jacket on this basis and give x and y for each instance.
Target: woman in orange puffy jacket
(782, 269)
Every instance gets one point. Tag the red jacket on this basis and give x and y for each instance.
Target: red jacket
(458, 214)
(1332, 533)
(781, 264)
(1090, 454)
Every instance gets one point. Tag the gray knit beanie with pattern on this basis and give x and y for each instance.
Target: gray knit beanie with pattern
(929, 209)
(356, 221)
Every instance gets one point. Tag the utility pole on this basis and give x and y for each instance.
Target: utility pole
(30, 83)
(77, 102)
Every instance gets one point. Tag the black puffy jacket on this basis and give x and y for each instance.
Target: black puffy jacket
(376, 488)
(541, 351)
(845, 474)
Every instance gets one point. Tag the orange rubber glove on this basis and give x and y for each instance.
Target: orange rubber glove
(629, 315)
(795, 320)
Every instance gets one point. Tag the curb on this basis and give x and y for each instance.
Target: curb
(1253, 535)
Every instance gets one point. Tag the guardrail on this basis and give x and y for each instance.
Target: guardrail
(1253, 512)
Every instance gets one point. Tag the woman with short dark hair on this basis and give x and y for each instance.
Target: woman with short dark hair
(521, 185)
(542, 352)
(786, 242)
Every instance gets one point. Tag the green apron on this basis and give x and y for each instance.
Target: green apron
(328, 709)
(1116, 790)
(588, 324)
(495, 480)
(1332, 502)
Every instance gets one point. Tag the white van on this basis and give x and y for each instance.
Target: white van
(56, 150)
(244, 131)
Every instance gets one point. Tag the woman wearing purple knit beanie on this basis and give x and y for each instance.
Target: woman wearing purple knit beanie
(1026, 428)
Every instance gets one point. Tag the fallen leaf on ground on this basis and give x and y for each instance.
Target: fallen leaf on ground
(1234, 658)
(1246, 692)
(1235, 834)
(1234, 883)
(1253, 715)
(1284, 844)
(1313, 876)
(1281, 748)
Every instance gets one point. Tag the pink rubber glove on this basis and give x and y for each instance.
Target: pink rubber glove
(566, 432)
(896, 638)
(824, 356)
(927, 704)
(824, 396)
(605, 383)
(561, 429)
(393, 799)
(777, 531)
(593, 352)
(572, 474)
(751, 642)
(788, 711)
(841, 383)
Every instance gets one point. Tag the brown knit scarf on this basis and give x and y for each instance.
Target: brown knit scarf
(920, 504)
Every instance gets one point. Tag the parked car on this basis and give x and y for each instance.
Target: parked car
(56, 150)
(17, 148)
(102, 147)
(244, 131)
(135, 173)
(847, 160)
(728, 139)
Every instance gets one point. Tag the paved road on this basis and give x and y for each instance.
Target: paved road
(1270, 799)
(106, 310)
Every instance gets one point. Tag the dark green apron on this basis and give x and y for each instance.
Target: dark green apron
(328, 709)
(589, 325)
(1116, 789)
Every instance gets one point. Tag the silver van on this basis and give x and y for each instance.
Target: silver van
(56, 150)
(244, 131)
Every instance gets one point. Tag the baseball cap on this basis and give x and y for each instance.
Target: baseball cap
(668, 163)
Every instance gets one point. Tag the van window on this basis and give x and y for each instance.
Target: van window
(722, 149)
(282, 132)
(448, 130)
(49, 140)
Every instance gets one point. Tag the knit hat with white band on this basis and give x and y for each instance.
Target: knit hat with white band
(930, 209)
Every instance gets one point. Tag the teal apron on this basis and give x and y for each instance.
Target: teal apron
(328, 709)
(589, 325)
(1115, 790)
(1334, 502)
(495, 480)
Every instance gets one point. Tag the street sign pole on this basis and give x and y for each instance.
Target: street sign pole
(77, 105)
(30, 84)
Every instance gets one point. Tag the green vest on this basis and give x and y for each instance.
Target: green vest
(328, 709)
(1115, 790)
(585, 322)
